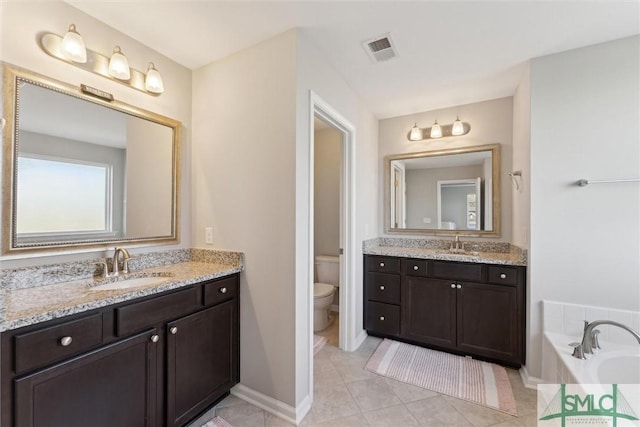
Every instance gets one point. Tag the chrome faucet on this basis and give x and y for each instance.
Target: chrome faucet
(125, 261)
(590, 337)
(457, 246)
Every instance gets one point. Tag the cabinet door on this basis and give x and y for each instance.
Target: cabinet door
(111, 386)
(202, 360)
(429, 311)
(488, 321)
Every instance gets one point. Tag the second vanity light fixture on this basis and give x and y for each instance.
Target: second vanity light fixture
(457, 128)
(71, 49)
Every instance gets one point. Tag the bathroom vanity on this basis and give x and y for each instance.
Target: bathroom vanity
(469, 308)
(156, 360)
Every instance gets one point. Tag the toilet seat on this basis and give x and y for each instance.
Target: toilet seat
(321, 290)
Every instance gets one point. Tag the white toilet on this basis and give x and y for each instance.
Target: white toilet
(327, 281)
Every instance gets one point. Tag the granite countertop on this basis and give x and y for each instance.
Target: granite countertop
(31, 305)
(487, 253)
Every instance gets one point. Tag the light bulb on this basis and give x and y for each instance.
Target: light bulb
(416, 133)
(153, 81)
(73, 47)
(457, 128)
(436, 132)
(118, 65)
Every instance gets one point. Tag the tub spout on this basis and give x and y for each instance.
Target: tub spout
(590, 335)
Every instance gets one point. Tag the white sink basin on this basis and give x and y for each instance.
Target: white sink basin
(124, 282)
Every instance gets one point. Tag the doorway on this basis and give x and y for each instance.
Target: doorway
(347, 334)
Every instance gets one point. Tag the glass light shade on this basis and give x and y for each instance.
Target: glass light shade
(73, 47)
(436, 132)
(416, 133)
(118, 65)
(457, 128)
(153, 81)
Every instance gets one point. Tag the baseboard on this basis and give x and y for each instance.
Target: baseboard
(528, 380)
(273, 406)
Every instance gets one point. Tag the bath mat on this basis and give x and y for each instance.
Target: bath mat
(483, 383)
(217, 422)
(318, 343)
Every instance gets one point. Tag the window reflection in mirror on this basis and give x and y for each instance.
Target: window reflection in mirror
(444, 191)
(87, 171)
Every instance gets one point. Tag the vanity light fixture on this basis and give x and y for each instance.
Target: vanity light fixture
(436, 132)
(118, 65)
(73, 47)
(416, 133)
(153, 81)
(457, 128)
(72, 50)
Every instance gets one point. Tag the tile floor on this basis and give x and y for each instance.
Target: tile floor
(345, 395)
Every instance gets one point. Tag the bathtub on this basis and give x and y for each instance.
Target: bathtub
(613, 364)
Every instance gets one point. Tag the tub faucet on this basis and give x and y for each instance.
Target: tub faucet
(590, 335)
(125, 261)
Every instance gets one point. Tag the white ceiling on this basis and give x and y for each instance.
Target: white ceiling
(451, 52)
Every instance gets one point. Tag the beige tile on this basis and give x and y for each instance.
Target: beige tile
(409, 393)
(242, 415)
(352, 421)
(393, 416)
(273, 421)
(230, 401)
(436, 411)
(479, 416)
(351, 368)
(373, 394)
(330, 402)
(325, 376)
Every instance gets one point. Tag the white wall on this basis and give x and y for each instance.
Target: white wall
(326, 217)
(585, 241)
(521, 161)
(22, 22)
(313, 73)
(244, 187)
(491, 122)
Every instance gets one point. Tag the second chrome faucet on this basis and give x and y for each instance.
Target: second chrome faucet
(115, 262)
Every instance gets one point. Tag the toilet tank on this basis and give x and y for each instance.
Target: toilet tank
(328, 269)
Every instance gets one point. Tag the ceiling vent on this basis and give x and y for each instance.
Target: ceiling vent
(381, 48)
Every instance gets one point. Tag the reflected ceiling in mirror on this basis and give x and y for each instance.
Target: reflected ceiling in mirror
(454, 191)
(83, 172)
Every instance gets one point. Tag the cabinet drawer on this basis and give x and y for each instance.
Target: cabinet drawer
(457, 271)
(44, 346)
(383, 287)
(135, 317)
(382, 264)
(503, 275)
(220, 290)
(415, 267)
(383, 318)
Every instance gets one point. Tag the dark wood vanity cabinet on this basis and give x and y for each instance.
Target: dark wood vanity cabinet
(466, 308)
(155, 361)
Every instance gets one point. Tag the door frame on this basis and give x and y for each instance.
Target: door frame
(347, 310)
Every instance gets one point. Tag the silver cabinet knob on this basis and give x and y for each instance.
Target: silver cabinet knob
(382, 264)
(382, 287)
(65, 341)
(223, 290)
(453, 286)
(381, 317)
(415, 268)
(155, 338)
(503, 276)
(459, 286)
(173, 330)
